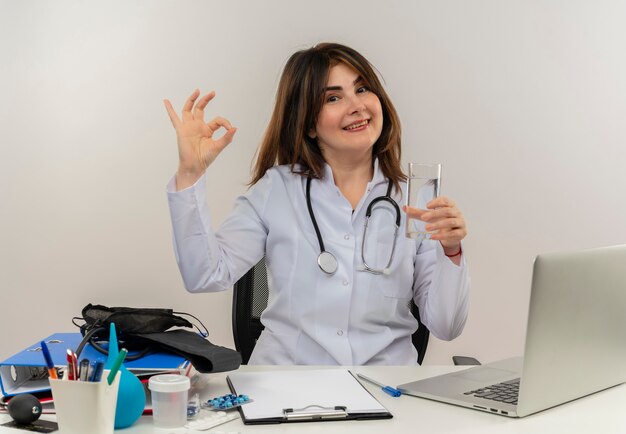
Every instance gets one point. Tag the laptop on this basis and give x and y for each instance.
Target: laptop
(575, 341)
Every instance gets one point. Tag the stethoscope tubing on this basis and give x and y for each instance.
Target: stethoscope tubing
(326, 260)
(312, 215)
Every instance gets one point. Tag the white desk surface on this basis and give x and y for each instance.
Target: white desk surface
(603, 412)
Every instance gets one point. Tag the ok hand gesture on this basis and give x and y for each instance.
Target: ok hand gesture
(196, 147)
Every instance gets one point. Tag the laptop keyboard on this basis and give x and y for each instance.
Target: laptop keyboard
(502, 392)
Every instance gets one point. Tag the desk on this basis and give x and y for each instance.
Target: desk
(600, 413)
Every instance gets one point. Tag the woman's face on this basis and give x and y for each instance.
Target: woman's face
(351, 118)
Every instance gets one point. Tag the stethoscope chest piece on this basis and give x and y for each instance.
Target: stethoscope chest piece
(327, 262)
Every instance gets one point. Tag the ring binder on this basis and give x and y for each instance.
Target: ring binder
(322, 413)
(26, 371)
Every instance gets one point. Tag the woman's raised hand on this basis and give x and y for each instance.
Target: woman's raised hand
(196, 147)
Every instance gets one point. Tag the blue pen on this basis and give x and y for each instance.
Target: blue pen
(97, 371)
(387, 389)
(46, 355)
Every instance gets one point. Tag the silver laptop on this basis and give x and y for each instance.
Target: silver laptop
(575, 341)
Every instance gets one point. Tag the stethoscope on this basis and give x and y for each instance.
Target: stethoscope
(327, 261)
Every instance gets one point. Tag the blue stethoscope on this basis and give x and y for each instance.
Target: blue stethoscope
(327, 261)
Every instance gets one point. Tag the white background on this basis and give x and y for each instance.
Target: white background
(523, 102)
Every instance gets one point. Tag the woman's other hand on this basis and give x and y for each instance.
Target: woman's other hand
(443, 217)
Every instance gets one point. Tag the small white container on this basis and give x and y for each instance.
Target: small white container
(169, 400)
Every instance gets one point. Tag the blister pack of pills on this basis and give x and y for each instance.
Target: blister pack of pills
(226, 402)
(208, 419)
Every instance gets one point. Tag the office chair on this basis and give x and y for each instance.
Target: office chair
(250, 296)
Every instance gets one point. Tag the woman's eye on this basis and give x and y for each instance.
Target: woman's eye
(332, 98)
(362, 89)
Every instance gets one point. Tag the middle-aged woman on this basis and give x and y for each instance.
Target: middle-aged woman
(331, 148)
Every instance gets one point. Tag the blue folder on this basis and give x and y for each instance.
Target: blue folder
(25, 371)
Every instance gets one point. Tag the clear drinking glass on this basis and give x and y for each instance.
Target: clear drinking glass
(424, 184)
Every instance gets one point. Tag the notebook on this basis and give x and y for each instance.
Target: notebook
(575, 340)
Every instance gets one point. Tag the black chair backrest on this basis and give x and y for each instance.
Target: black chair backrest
(250, 296)
(421, 335)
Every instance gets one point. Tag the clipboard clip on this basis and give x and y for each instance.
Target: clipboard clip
(315, 412)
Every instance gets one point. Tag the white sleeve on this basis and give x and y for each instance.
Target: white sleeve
(213, 261)
(441, 291)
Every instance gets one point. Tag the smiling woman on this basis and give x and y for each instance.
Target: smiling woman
(329, 165)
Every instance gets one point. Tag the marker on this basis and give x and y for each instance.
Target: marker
(116, 365)
(83, 373)
(46, 355)
(387, 389)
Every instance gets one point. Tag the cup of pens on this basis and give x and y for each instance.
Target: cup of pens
(86, 404)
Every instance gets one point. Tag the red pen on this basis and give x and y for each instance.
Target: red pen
(75, 362)
(72, 370)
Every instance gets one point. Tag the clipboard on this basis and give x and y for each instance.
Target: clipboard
(304, 396)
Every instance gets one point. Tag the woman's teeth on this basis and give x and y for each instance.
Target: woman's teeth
(353, 126)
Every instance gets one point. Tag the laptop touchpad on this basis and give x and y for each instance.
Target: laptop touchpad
(486, 374)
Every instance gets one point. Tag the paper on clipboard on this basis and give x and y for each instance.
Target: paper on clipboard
(275, 391)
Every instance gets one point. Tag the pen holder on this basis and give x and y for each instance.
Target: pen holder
(85, 407)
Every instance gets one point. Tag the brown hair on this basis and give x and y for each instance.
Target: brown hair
(299, 99)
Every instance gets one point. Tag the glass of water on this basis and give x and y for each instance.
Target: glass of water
(424, 184)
